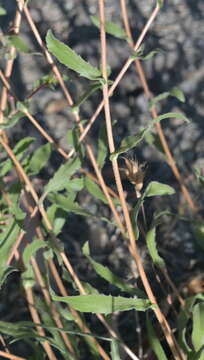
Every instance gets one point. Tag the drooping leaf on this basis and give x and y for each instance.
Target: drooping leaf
(73, 140)
(103, 304)
(110, 27)
(39, 159)
(152, 247)
(109, 276)
(154, 341)
(69, 58)
(62, 175)
(12, 120)
(5, 271)
(198, 327)
(175, 92)
(156, 188)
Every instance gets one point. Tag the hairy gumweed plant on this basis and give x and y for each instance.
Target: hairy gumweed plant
(34, 212)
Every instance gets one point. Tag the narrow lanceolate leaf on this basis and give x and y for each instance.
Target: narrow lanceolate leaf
(102, 146)
(110, 27)
(198, 327)
(103, 304)
(109, 276)
(156, 188)
(95, 190)
(152, 247)
(11, 120)
(139, 54)
(154, 341)
(70, 58)
(175, 92)
(131, 141)
(66, 203)
(91, 90)
(39, 159)
(61, 177)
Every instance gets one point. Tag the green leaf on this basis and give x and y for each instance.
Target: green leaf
(2, 11)
(7, 240)
(154, 342)
(61, 177)
(109, 276)
(131, 141)
(19, 151)
(69, 58)
(5, 271)
(139, 54)
(75, 184)
(198, 327)
(175, 92)
(152, 247)
(110, 27)
(95, 190)
(90, 90)
(73, 139)
(156, 188)
(103, 304)
(18, 43)
(102, 146)
(31, 249)
(115, 351)
(12, 120)
(199, 176)
(57, 218)
(67, 204)
(198, 230)
(39, 159)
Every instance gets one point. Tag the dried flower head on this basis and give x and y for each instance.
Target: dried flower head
(135, 174)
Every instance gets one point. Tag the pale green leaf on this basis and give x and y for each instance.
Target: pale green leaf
(12, 120)
(199, 176)
(95, 190)
(62, 175)
(39, 159)
(177, 93)
(69, 58)
(57, 218)
(198, 327)
(160, 3)
(76, 184)
(110, 27)
(156, 188)
(31, 250)
(154, 341)
(67, 204)
(18, 43)
(2, 11)
(152, 247)
(139, 54)
(103, 304)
